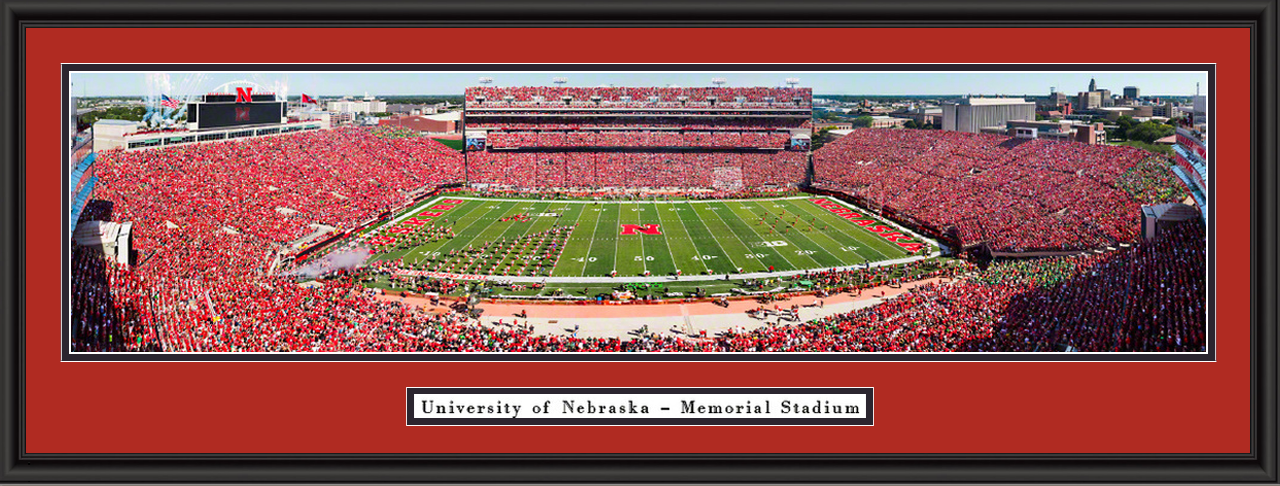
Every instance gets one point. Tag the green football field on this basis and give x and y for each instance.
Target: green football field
(504, 237)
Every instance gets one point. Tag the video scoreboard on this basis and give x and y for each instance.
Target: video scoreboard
(232, 110)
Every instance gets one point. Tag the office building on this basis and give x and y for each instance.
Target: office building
(972, 114)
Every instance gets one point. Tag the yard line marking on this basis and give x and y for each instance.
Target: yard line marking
(812, 241)
(413, 212)
(665, 239)
(486, 227)
(526, 230)
(873, 236)
(643, 261)
(816, 264)
(690, 236)
(590, 243)
(775, 250)
(575, 235)
(868, 243)
(615, 242)
(581, 232)
(717, 240)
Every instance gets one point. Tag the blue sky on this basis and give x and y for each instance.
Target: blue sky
(428, 83)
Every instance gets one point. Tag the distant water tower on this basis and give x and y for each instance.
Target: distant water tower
(719, 82)
(485, 80)
(560, 81)
(792, 82)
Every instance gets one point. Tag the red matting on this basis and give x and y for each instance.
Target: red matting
(359, 407)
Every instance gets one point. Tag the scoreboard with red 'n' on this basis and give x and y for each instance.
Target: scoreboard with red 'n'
(244, 107)
(222, 115)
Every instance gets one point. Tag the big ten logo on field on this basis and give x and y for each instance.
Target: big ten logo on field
(647, 229)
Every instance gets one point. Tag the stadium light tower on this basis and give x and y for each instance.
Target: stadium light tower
(719, 81)
(485, 80)
(559, 81)
(792, 82)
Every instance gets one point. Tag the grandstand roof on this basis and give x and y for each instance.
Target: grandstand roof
(450, 116)
(993, 101)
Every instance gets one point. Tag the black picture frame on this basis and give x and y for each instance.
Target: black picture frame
(1258, 466)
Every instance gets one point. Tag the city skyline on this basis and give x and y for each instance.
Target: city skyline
(920, 83)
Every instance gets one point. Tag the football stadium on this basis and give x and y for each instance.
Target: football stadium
(623, 219)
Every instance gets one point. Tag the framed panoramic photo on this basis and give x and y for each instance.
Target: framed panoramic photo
(643, 243)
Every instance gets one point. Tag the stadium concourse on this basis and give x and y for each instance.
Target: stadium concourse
(212, 219)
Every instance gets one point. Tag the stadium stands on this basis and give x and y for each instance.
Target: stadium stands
(1145, 298)
(1015, 195)
(638, 139)
(642, 122)
(726, 138)
(638, 97)
(213, 216)
(1025, 305)
(635, 169)
(210, 220)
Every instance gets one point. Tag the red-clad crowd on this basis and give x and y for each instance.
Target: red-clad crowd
(636, 139)
(594, 113)
(1146, 298)
(1015, 195)
(210, 219)
(723, 142)
(639, 97)
(723, 170)
(272, 188)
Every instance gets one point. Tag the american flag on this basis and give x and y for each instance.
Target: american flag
(166, 101)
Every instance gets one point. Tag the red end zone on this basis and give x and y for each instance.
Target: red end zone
(885, 232)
